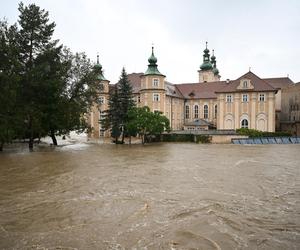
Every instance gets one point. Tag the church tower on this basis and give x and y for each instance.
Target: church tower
(208, 70)
(98, 108)
(153, 93)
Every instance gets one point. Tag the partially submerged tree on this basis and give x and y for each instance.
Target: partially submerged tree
(125, 99)
(112, 117)
(35, 37)
(146, 123)
(45, 89)
(72, 94)
(119, 103)
(9, 84)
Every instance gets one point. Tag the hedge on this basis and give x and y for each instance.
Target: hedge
(257, 133)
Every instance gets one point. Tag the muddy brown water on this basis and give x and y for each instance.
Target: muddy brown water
(159, 196)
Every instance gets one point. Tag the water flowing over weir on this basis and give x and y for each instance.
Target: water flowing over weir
(158, 196)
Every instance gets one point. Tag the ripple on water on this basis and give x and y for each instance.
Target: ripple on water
(162, 196)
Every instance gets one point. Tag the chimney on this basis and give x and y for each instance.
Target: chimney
(227, 81)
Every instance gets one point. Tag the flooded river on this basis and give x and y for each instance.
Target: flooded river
(159, 196)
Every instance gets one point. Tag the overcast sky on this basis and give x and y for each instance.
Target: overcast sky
(261, 34)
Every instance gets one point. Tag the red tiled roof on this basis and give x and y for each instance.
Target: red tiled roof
(279, 82)
(135, 80)
(258, 84)
(200, 90)
(209, 90)
(172, 90)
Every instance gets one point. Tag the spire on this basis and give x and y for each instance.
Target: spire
(152, 59)
(213, 58)
(206, 65)
(98, 65)
(98, 70)
(206, 49)
(152, 66)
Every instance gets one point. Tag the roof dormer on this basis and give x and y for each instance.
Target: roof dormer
(245, 84)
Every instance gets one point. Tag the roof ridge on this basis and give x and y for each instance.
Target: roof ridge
(257, 77)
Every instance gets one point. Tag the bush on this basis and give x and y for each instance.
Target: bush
(185, 138)
(177, 138)
(202, 139)
(257, 133)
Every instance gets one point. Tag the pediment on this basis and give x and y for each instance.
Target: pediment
(245, 83)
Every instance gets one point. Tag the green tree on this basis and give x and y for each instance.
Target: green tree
(146, 123)
(79, 91)
(34, 38)
(70, 86)
(112, 117)
(10, 122)
(125, 99)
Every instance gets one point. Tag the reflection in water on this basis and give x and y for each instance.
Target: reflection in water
(160, 196)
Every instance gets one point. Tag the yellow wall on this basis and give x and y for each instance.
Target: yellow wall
(174, 112)
(97, 110)
(260, 114)
(148, 90)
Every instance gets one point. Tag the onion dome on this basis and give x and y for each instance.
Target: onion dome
(152, 66)
(215, 71)
(206, 65)
(152, 59)
(99, 71)
(213, 58)
(214, 63)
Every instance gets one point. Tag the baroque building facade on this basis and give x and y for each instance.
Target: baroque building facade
(246, 102)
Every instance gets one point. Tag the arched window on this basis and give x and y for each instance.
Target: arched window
(216, 111)
(196, 111)
(205, 112)
(187, 112)
(244, 123)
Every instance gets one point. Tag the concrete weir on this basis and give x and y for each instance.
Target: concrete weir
(267, 140)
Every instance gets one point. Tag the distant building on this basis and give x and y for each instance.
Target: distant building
(247, 102)
(290, 109)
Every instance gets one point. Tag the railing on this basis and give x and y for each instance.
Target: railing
(267, 140)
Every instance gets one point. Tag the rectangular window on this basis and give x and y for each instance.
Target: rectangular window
(229, 98)
(139, 99)
(155, 82)
(187, 112)
(101, 100)
(261, 97)
(205, 112)
(101, 115)
(196, 111)
(156, 97)
(245, 98)
(101, 132)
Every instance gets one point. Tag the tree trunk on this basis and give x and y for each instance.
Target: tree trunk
(1, 146)
(130, 140)
(31, 143)
(123, 136)
(53, 138)
(30, 135)
(143, 139)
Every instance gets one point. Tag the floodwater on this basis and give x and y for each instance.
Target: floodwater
(159, 196)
